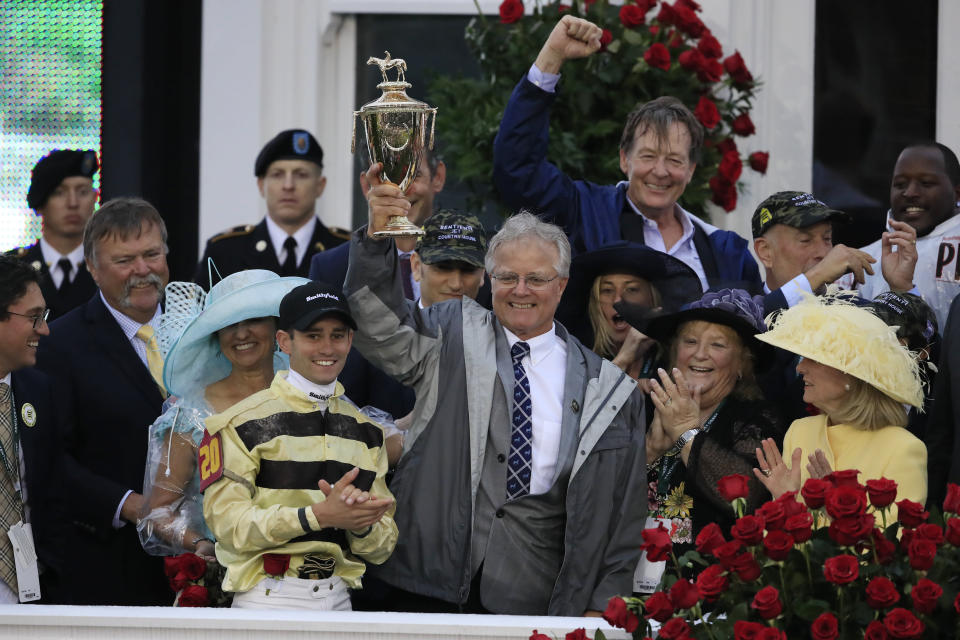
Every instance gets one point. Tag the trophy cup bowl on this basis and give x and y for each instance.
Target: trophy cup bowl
(395, 126)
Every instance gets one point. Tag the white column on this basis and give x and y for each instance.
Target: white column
(948, 87)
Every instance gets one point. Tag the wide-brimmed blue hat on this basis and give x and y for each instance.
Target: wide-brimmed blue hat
(189, 325)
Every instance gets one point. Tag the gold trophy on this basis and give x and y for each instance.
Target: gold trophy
(396, 128)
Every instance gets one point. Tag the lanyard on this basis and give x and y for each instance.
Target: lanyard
(13, 470)
(668, 463)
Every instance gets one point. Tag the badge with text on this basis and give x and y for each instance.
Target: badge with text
(29, 414)
(210, 459)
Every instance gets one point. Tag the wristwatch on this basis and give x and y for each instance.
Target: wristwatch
(686, 437)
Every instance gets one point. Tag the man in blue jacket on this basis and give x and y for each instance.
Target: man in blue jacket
(659, 151)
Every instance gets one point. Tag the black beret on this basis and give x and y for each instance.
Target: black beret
(292, 144)
(56, 166)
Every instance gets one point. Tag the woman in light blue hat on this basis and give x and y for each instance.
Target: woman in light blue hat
(219, 348)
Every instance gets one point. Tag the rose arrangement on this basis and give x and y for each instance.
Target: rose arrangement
(649, 48)
(196, 582)
(810, 566)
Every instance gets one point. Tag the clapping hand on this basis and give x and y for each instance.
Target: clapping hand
(773, 473)
(677, 404)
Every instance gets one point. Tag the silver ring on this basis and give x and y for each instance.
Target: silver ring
(667, 403)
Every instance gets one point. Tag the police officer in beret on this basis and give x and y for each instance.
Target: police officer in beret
(62, 194)
(289, 172)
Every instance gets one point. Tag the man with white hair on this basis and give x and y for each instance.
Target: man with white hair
(522, 488)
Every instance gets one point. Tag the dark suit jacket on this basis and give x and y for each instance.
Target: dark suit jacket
(41, 449)
(78, 292)
(112, 399)
(943, 424)
(249, 247)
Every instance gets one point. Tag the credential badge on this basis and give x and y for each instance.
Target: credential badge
(29, 414)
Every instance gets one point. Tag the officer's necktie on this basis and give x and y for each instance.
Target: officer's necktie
(520, 463)
(10, 503)
(405, 276)
(154, 359)
(289, 267)
(65, 267)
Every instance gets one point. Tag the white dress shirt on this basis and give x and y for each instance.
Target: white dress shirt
(792, 291)
(546, 369)
(52, 257)
(302, 235)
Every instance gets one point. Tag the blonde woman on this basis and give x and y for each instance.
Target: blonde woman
(859, 376)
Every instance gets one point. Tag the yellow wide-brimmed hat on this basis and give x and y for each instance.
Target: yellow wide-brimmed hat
(832, 330)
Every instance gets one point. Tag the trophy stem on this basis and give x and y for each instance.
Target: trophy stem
(399, 227)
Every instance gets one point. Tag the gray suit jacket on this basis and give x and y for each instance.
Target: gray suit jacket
(449, 354)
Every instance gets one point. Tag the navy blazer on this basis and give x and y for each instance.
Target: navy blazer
(942, 435)
(40, 441)
(113, 400)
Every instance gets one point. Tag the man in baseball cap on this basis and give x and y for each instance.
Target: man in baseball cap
(448, 261)
(62, 194)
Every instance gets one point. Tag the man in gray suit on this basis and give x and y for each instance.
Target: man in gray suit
(522, 487)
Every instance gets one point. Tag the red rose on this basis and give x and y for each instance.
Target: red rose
(709, 116)
(562, 8)
(511, 11)
(536, 635)
(930, 532)
(666, 14)
(631, 16)
(577, 634)
(910, 514)
(276, 564)
(646, 5)
(844, 478)
(925, 595)
(758, 161)
(742, 125)
(900, 623)
(882, 492)
(709, 46)
(691, 60)
(921, 553)
(684, 594)
(800, 526)
(712, 582)
(845, 501)
(657, 607)
(736, 485)
(824, 627)
(744, 630)
(171, 564)
(710, 70)
(606, 37)
(727, 145)
(814, 492)
(730, 167)
(842, 569)
(850, 530)
(194, 596)
(770, 633)
(179, 582)
(876, 631)
(881, 593)
(688, 4)
(906, 535)
(727, 552)
(951, 504)
(956, 603)
(687, 21)
(767, 603)
(746, 567)
(193, 566)
(618, 615)
(711, 537)
(657, 544)
(724, 193)
(658, 56)
(737, 70)
(772, 512)
(953, 531)
(675, 629)
(777, 545)
(748, 530)
(885, 549)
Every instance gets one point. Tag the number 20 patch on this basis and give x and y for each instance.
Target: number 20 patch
(210, 459)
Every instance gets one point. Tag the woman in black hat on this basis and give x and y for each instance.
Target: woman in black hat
(599, 279)
(709, 415)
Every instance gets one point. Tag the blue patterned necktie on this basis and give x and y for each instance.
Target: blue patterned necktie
(521, 441)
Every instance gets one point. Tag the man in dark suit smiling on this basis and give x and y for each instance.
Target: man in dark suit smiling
(105, 362)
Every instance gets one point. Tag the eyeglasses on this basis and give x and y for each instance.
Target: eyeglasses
(37, 319)
(533, 282)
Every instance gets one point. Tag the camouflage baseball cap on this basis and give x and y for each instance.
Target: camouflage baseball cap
(912, 316)
(452, 235)
(792, 208)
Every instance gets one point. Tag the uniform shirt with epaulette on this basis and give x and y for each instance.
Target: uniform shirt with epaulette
(79, 291)
(276, 445)
(249, 247)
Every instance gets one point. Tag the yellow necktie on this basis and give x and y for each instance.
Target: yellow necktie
(154, 359)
